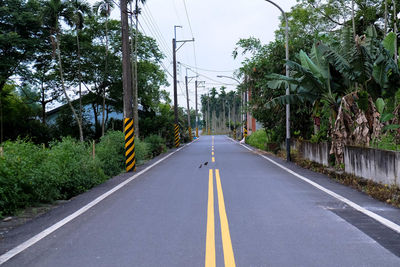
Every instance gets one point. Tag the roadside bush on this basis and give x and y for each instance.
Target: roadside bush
(25, 176)
(77, 170)
(142, 151)
(110, 151)
(31, 174)
(258, 139)
(156, 144)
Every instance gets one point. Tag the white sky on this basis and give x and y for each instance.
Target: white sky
(216, 25)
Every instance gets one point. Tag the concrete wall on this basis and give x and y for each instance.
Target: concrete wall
(315, 152)
(380, 166)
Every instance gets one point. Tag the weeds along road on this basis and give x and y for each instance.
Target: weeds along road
(237, 209)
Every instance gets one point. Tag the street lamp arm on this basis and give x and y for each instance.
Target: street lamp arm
(283, 12)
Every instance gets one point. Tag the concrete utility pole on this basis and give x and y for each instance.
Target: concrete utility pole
(208, 114)
(195, 103)
(187, 100)
(287, 75)
(174, 50)
(395, 31)
(245, 114)
(229, 116)
(197, 115)
(130, 160)
(188, 106)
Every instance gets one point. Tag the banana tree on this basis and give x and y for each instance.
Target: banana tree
(310, 82)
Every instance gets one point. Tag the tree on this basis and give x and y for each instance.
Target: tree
(103, 8)
(21, 33)
(79, 9)
(134, 52)
(55, 10)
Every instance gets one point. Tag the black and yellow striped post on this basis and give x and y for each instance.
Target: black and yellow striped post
(177, 137)
(190, 134)
(130, 160)
(245, 132)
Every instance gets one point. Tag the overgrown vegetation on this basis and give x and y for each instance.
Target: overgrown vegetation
(31, 174)
(53, 50)
(258, 139)
(344, 77)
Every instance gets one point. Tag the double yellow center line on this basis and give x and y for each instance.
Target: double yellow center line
(229, 258)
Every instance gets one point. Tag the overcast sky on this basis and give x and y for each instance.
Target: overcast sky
(216, 26)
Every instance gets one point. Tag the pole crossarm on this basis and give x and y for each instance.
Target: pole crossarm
(183, 42)
(229, 77)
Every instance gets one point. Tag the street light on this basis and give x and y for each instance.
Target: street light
(287, 75)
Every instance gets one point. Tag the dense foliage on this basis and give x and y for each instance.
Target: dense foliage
(344, 77)
(32, 174)
(56, 52)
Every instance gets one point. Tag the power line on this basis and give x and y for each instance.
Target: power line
(191, 31)
(205, 76)
(156, 26)
(161, 63)
(187, 16)
(209, 70)
(153, 28)
(154, 35)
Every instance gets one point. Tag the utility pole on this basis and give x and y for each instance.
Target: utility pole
(234, 116)
(195, 95)
(187, 101)
(197, 116)
(130, 160)
(188, 107)
(229, 117)
(174, 50)
(208, 114)
(245, 114)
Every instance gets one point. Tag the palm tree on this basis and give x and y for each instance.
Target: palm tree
(53, 11)
(79, 9)
(104, 9)
(134, 64)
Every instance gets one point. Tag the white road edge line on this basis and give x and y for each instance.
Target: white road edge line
(395, 227)
(18, 249)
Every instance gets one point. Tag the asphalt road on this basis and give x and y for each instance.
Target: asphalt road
(239, 209)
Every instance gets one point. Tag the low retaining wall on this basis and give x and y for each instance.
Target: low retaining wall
(380, 166)
(315, 152)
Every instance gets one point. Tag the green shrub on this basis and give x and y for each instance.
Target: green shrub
(30, 174)
(26, 176)
(76, 168)
(142, 151)
(156, 144)
(258, 139)
(110, 151)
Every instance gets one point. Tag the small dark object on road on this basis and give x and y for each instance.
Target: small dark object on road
(200, 166)
(205, 163)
